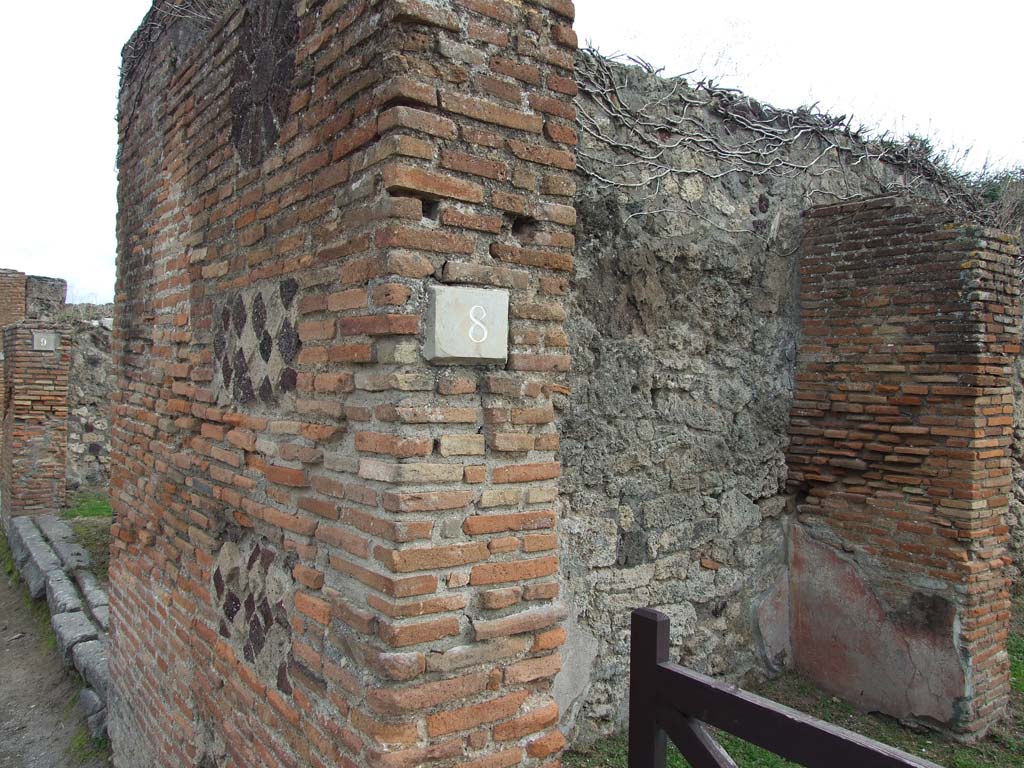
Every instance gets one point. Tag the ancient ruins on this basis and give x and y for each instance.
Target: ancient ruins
(440, 345)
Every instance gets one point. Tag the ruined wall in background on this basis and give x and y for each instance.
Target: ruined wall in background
(90, 394)
(44, 297)
(12, 296)
(683, 322)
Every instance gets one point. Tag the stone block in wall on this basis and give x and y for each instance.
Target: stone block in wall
(276, 424)
(901, 433)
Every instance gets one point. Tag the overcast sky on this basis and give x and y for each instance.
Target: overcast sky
(949, 72)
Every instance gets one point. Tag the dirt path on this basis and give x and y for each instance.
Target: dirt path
(38, 722)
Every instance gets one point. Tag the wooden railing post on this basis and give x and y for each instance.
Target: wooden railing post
(648, 647)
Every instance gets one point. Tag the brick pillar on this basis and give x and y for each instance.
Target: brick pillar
(901, 434)
(34, 445)
(330, 551)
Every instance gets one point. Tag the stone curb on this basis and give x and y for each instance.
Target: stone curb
(55, 566)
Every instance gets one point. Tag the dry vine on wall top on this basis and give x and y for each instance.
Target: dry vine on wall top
(760, 140)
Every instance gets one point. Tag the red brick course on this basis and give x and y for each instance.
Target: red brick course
(901, 423)
(355, 474)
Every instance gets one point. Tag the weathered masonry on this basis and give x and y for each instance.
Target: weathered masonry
(686, 317)
(337, 491)
(33, 394)
(33, 453)
(328, 551)
(901, 434)
(55, 404)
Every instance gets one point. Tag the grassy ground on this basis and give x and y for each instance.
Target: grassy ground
(1003, 748)
(89, 515)
(87, 504)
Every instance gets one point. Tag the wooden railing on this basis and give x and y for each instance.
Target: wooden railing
(667, 699)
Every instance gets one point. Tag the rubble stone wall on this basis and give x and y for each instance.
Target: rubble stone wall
(90, 392)
(684, 323)
(44, 297)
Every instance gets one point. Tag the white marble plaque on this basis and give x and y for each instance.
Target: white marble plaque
(44, 341)
(466, 325)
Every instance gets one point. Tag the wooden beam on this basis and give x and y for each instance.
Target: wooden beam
(648, 647)
(794, 735)
(693, 740)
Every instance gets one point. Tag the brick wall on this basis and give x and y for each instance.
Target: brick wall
(901, 434)
(34, 442)
(328, 552)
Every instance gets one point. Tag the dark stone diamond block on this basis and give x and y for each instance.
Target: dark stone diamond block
(267, 556)
(238, 315)
(266, 346)
(284, 685)
(257, 637)
(289, 287)
(267, 391)
(243, 391)
(259, 315)
(289, 380)
(232, 605)
(288, 343)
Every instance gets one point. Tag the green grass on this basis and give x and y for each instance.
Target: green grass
(90, 516)
(1016, 646)
(88, 505)
(84, 748)
(612, 753)
(1002, 748)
